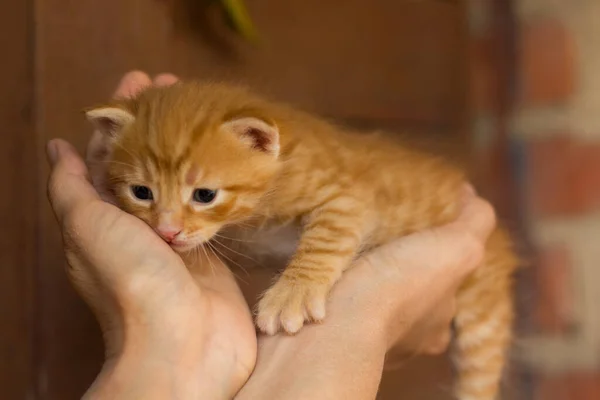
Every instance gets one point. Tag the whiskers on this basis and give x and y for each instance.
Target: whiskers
(215, 251)
(220, 235)
(244, 225)
(212, 266)
(227, 248)
(125, 149)
(220, 254)
(195, 257)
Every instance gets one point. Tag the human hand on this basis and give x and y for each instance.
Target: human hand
(185, 330)
(399, 295)
(409, 285)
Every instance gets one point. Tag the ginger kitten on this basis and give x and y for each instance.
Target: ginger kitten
(194, 158)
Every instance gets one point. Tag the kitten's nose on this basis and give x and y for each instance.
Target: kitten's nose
(168, 233)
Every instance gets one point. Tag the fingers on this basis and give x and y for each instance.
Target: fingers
(165, 79)
(462, 242)
(68, 185)
(477, 215)
(456, 248)
(437, 338)
(132, 83)
(438, 343)
(135, 81)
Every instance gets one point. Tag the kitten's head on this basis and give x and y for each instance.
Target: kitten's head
(189, 159)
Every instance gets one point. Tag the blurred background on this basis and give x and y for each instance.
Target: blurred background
(512, 85)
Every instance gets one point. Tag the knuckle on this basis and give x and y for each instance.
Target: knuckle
(487, 215)
(472, 251)
(72, 225)
(72, 261)
(489, 210)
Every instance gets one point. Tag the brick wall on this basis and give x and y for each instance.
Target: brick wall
(553, 128)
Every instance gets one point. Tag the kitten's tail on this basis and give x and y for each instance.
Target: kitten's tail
(484, 324)
(480, 354)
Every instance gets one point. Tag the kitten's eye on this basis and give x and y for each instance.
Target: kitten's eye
(204, 195)
(142, 192)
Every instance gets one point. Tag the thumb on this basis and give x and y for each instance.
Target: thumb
(476, 217)
(68, 185)
(435, 260)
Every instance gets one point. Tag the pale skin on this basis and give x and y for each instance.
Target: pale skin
(171, 332)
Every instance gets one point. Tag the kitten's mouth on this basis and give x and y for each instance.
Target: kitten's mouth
(182, 245)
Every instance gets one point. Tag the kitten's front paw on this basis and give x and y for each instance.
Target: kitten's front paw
(289, 303)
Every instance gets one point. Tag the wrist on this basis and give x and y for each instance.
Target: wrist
(355, 311)
(153, 346)
(139, 372)
(148, 367)
(316, 363)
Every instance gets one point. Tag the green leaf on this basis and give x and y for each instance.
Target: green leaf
(239, 18)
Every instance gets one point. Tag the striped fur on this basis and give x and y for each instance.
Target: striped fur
(349, 192)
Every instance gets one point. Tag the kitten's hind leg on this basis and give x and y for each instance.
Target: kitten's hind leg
(328, 245)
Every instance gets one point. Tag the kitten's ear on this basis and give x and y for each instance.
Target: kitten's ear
(259, 134)
(109, 120)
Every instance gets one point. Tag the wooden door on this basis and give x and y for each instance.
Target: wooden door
(18, 204)
(388, 63)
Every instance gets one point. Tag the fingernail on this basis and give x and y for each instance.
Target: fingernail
(165, 79)
(52, 152)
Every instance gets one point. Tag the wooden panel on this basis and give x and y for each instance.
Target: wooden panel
(18, 202)
(383, 59)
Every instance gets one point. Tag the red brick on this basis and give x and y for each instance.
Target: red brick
(554, 291)
(569, 386)
(564, 176)
(547, 58)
